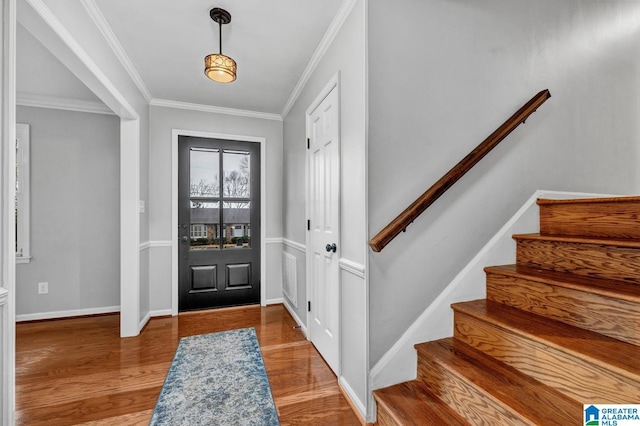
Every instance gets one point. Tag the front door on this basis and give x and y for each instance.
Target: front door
(324, 233)
(219, 223)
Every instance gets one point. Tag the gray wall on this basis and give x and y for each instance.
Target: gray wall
(162, 122)
(347, 55)
(459, 70)
(75, 212)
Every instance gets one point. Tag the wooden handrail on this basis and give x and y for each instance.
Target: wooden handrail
(405, 218)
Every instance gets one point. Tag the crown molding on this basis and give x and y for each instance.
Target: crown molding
(56, 102)
(215, 109)
(104, 27)
(323, 46)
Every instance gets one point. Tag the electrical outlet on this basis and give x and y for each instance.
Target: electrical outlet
(43, 288)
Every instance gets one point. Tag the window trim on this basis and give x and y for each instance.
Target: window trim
(23, 189)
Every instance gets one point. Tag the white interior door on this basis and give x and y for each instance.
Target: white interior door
(324, 233)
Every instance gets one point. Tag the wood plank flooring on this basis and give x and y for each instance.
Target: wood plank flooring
(80, 372)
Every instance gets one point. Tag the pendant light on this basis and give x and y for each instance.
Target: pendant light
(217, 66)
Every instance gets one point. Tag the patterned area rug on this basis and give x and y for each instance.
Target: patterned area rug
(217, 379)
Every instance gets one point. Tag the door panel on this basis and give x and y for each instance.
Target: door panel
(324, 181)
(218, 183)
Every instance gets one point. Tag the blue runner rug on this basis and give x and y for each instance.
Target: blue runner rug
(216, 379)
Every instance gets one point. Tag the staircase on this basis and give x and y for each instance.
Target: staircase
(559, 329)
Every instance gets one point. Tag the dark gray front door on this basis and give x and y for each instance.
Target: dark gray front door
(219, 223)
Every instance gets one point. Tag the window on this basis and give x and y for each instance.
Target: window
(22, 194)
(198, 231)
(238, 231)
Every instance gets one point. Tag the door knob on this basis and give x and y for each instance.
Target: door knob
(185, 239)
(331, 247)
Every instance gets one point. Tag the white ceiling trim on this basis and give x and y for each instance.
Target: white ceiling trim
(215, 109)
(104, 27)
(56, 102)
(345, 9)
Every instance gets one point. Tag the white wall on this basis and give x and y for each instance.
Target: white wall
(346, 55)
(459, 70)
(75, 213)
(162, 121)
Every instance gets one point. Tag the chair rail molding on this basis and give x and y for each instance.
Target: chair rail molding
(352, 267)
(294, 245)
(158, 243)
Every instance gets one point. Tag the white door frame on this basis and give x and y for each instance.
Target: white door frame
(7, 286)
(334, 82)
(175, 134)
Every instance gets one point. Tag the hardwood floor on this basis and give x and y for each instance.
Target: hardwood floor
(79, 371)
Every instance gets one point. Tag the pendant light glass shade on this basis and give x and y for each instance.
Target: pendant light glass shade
(217, 66)
(220, 68)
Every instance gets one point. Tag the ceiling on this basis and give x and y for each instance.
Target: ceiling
(166, 41)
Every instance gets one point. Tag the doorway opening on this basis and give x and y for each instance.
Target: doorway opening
(215, 231)
(218, 223)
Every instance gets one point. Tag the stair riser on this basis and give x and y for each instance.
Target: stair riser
(590, 260)
(580, 380)
(463, 397)
(383, 418)
(615, 318)
(610, 219)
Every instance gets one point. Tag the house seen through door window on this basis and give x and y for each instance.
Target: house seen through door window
(232, 192)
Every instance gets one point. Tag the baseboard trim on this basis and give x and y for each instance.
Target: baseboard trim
(142, 324)
(296, 318)
(356, 405)
(276, 301)
(161, 313)
(67, 314)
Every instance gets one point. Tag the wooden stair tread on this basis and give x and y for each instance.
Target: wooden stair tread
(409, 403)
(615, 355)
(559, 328)
(518, 392)
(616, 289)
(622, 199)
(616, 242)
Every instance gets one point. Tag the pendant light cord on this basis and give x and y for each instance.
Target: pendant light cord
(220, 35)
